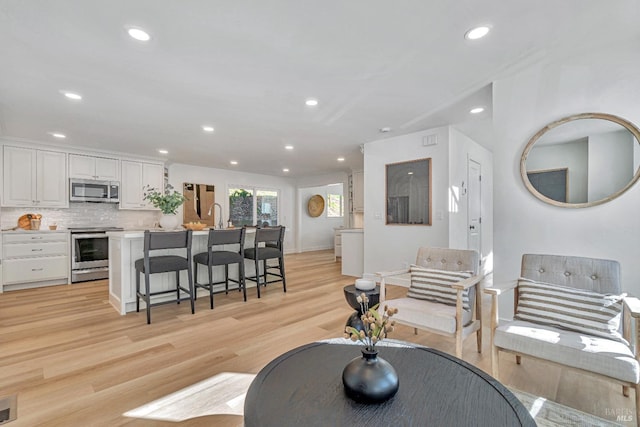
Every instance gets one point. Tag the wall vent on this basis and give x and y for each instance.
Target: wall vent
(429, 140)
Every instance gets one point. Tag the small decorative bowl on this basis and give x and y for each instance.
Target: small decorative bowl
(365, 284)
(195, 226)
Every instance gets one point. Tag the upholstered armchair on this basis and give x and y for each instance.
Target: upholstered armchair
(570, 311)
(443, 295)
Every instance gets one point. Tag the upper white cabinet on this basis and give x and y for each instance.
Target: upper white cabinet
(89, 167)
(358, 191)
(135, 177)
(33, 177)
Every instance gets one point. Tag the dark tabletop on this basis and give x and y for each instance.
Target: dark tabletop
(303, 387)
(351, 293)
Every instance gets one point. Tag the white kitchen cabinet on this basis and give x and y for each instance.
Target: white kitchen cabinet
(33, 259)
(89, 167)
(337, 243)
(358, 191)
(136, 176)
(34, 178)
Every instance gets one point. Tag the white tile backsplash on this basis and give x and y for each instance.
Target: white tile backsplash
(83, 215)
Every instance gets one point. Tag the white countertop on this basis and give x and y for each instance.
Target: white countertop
(21, 231)
(352, 230)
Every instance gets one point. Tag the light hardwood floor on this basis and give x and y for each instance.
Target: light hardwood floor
(73, 361)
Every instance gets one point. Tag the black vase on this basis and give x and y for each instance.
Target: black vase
(370, 379)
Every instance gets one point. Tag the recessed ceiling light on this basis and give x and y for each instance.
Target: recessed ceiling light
(208, 128)
(288, 147)
(341, 159)
(58, 135)
(72, 95)
(285, 170)
(311, 102)
(233, 162)
(477, 33)
(163, 151)
(476, 110)
(139, 34)
(409, 173)
(385, 129)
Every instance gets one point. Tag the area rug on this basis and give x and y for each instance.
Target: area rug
(222, 394)
(551, 414)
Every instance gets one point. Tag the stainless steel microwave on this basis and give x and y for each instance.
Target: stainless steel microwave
(88, 190)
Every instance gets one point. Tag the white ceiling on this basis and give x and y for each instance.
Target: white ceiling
(246, 68)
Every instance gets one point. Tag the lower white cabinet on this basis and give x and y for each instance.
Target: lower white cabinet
(337, 244)
(32, 259)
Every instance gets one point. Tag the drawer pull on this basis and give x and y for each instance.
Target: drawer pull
(36, 238)
(37, 269)
(36, 250)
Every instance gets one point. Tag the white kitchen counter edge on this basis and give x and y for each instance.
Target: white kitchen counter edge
(134, 234)
(352, 230)
(33, 231)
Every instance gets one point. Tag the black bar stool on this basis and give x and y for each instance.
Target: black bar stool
(268, 244)
(215, 256)
(148, 265)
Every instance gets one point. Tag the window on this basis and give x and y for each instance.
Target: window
(267, 207)
(251, 206)
(241, 207)
(335, 205)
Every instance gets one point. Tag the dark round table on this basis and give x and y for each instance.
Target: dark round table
(351, 294)
(303, 387)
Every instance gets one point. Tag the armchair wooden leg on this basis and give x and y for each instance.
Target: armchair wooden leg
(637, 390)
(625, 390)
(415, 331)
(518, 359)
(459, 345)
(479, 339)
(495, 368)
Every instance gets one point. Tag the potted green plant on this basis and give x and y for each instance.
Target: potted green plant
(168, 202)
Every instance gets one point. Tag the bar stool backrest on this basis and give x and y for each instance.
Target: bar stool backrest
(167, 240)
(227, 237)
(270, 235)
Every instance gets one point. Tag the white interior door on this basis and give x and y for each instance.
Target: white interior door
(474, 197)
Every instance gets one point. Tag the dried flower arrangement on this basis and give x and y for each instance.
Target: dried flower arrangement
(376, 326)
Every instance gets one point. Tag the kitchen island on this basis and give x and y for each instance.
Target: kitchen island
(125, 247)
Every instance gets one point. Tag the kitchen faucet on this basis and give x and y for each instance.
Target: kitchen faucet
(220, 216)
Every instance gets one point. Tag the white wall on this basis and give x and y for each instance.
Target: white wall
(461, 149)
(317, 233)
(222, 179)
(599, 81)
(388, 247)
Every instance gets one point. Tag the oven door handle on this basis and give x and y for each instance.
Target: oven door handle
(88, 236)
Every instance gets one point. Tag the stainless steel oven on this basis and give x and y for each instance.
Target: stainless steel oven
(90, 253)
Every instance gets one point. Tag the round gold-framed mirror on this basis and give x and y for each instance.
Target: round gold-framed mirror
(582, 160)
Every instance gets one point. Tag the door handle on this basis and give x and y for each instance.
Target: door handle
(472, 227)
